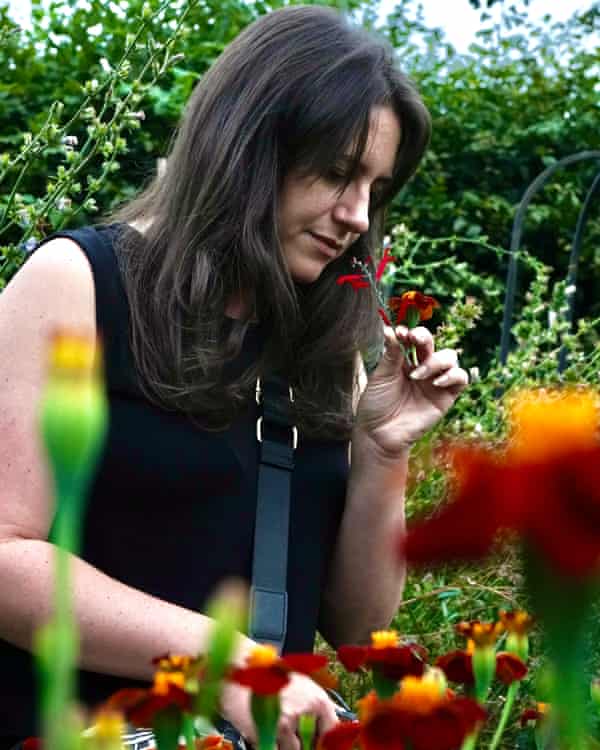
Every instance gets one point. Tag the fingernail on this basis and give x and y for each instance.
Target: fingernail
(442, 380)
(419, 373)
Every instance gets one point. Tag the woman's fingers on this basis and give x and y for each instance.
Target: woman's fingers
(303, 696)
(436, 364)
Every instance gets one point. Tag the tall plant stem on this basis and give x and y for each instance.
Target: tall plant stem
(510, 699)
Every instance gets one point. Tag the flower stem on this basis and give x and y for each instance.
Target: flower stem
(469, 742)
(187, 725)
(510, 699)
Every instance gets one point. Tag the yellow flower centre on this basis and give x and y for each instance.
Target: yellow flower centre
(71, 353)
(518, 622)
(420, 694)
(548, 423)
(109, 725)
(483, 634)
(263, 656)
(384, 639)
(162, 681)
(175, 662)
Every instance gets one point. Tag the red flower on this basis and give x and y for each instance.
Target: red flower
(210, 742)
(393, 660)
(266, 673)
(546, 488)
(534, 714)
(384, 317)
(509, 668)
(458, 667)
(356, 280)
(140, 705)
(32, 743)
(422, 715)
(387, 258)
(421, 305)
(343, 736)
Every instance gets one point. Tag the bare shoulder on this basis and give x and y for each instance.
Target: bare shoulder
(53, 290)
(57, 279)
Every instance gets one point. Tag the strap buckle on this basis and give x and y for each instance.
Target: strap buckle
(259, 433)
(258, 392)
(258, 396)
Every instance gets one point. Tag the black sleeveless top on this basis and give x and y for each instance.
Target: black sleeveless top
(171, 510)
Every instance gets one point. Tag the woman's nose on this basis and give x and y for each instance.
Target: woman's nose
(352, 209)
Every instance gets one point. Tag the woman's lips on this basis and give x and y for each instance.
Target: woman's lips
(324, 245)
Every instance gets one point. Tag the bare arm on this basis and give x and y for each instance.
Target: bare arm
(365, 583)
(396, 408)
(121, 629)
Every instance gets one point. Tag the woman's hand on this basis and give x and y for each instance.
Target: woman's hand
(401, 403)
(300, 696)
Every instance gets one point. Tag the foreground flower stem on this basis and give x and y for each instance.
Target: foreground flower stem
(73, 423)
(187, 726)
(265, 712)
(510, 699)
(469, 742)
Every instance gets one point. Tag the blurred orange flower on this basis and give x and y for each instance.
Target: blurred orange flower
(546, 487)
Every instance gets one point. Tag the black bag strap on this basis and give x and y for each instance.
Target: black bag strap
(278, 438)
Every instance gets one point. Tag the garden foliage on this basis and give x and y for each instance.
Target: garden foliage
(91, 93)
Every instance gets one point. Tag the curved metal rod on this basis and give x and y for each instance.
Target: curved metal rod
(574, 261)
(517, 231)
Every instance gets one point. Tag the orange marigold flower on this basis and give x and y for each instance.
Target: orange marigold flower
(421, 715)
(266, 673)
(481, 633)
(387, 655)
(141, 705)
(517, 621)
(546, 487)
(412, 306)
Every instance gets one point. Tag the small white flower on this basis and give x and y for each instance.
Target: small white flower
(141, 115)
(24, 217)
(63, 204)
(30, 245)
(474, 375)
(552, 317)
(70, 140)
(569, 290)
(478, 429)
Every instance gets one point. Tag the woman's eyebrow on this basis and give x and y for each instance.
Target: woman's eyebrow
(364, 169)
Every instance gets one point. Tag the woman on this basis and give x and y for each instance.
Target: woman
(222, 270)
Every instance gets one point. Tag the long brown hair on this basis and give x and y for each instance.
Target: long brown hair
(294, 90)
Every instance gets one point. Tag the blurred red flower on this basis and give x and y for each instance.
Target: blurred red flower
(422, 715)
(266, 673)
(386, 655)
(140, 705)
(546, 488)
(458, 667)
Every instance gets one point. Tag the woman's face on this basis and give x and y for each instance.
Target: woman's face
(316, 222)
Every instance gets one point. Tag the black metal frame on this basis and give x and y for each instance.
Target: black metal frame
(517, 231)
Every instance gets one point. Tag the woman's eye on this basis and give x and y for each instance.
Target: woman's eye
(336, 175)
